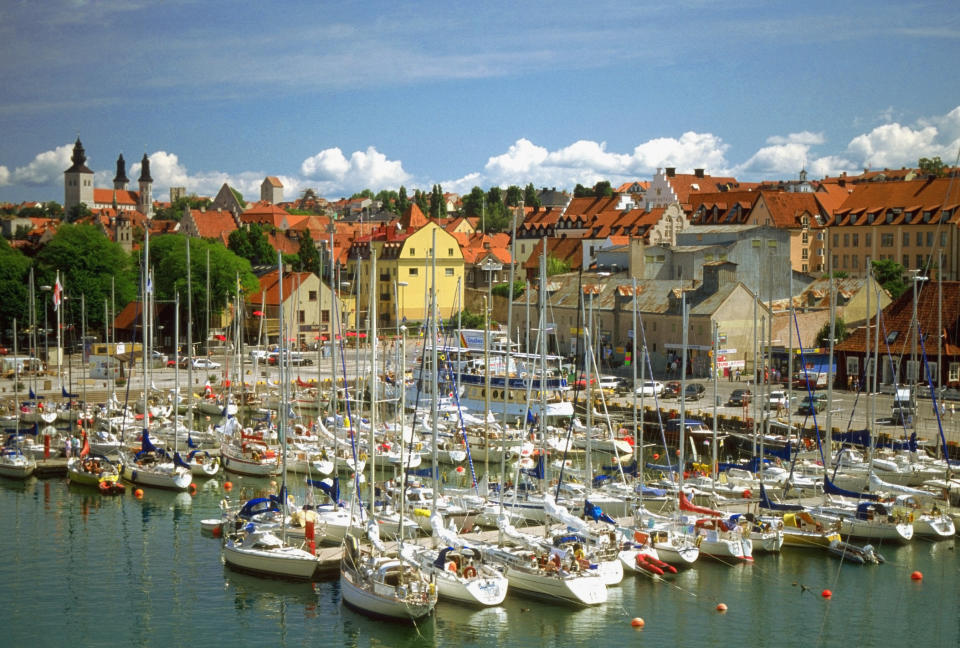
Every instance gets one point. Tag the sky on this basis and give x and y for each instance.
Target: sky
(344, 96)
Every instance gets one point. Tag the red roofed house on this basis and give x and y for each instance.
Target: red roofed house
(307, 313)
(271, 190)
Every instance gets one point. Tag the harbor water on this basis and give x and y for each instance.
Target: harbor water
(81, 569)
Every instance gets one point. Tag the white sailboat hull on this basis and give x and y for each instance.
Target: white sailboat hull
(282, 562)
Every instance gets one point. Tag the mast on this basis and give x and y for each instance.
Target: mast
(716, 348)
(83, 340)
(283, 406)
(176, 374)
(146, 325)
(681, 450)
(830, 371)
(434, 468)
(189, 353)
(371, 323)
(866, 363)
(633, 367)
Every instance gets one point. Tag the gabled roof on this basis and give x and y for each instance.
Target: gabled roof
(212, 224)
(413, 219)
(565, 249)
(786, 207)
(923, 192)
(687, 184)
(273, 181)
(269, 292)
(264, 213)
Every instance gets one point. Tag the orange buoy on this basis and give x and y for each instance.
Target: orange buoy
(827, 593)
(637, 622)
(227, 485)
(656, 455)
(193, 487)
(138, 493)
(721, 607)
(917, 576)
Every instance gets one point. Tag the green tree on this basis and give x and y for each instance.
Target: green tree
(421, 199)
(513, 196)
(531, 198)
(78, 212)
(503, 289)
(87, 261)
(308, 257)
(582, 192)
(839, 331)
(366, 193)
(438, 205)
(14, 273)
(889, 274)
(556, 266)
(389, 200)
(932, 166)
(177, 209)
(468, 319)
(402, 201)
(168, 258)
(252, 244)
(603, 189)
(473, 202)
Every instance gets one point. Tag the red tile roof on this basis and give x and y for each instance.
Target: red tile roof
(106, 196)
(270, 287)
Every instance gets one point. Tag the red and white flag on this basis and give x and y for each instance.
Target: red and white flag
(57, 293)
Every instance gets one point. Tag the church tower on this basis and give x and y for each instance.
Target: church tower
(77, 180)
(145, 202)
(120, 181)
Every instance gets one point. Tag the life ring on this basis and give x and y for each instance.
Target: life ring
(363, 456)
(469, 571)
(452, 567)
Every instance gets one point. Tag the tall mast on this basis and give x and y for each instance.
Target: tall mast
(436, 375)
(283, 408)
(372, 327)
(189, 353)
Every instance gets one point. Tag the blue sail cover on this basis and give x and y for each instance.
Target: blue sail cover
(860, 438)
(258, 505)
(779, 453)
(537, 472)
(331, 489)
(910, 444)
(190, 443)
(595, 513)
(432, 473)
(66, 394)
(441, 560)
(766, 503)
(628, 469)
(178, 461)
(864, 509)
(33, 396)
(829, 487)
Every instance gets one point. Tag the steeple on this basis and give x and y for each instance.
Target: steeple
(120, 181)
(144, 169)
(79, 159)
(145, 200)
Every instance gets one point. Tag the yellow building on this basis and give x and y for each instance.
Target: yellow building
(405, 261)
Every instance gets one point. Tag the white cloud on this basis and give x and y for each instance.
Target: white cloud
(894, 145)
(46, 168)
(804, 137)
(692, 150)
(368, 169)
(4, 176)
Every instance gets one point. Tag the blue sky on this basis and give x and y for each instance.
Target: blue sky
(350, 95)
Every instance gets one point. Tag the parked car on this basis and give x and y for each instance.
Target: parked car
(200, 363)
(777, 400)
(609, 383)
(694, 391)
(650, 388)
(671, 389)
(740, 397)
(812, 404)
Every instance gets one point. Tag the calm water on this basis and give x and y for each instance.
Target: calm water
(83, 570)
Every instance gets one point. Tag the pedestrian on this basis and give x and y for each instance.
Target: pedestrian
(953, 410)
(67, 447)
(738, 374)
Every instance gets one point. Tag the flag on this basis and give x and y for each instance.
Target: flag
(149, 283)
(57, 293)
(85, 450)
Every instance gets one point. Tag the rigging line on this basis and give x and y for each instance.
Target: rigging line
(894, 371)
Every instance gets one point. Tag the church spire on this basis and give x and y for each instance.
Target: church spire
(79, 159)
(120, 181)
(145, 169)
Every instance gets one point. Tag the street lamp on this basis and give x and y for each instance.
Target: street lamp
(46, 333)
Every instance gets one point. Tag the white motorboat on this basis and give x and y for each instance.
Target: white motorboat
(261, 552)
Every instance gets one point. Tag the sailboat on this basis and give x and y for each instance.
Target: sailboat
(260, 550)
(94, 470)
(13, 463)
(373, 580)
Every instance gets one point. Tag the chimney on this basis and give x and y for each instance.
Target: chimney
(842, 182)
(671, 172)
(698, 173)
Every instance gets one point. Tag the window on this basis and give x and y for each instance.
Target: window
(804, 253)
(855, 261)
(906, 261)
(919, 261)
(301, 316)
(804, 268)
(868, 239)
(929, 239)
(413, 251)
(414, 272)
(846, 259)
(836, 240)
(943, 238)
(449, 251)
(853, 366)
(919, 239)
(325, 316)
(932, 369)
(312, 295)
(836, 261)
(886, 240)
(805, 238)
(448, 272)
(846, 239)
(912, 374)
(856, 240)
(906, 239)
(954, 374)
